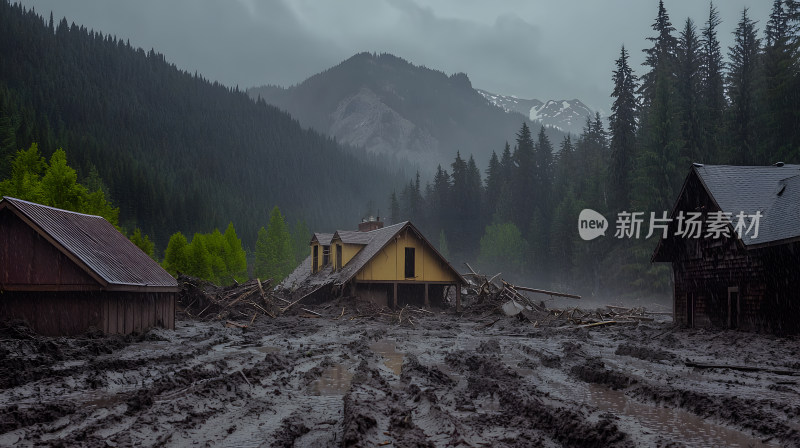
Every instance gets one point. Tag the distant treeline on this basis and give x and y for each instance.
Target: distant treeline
(689, 105)
(175, 151)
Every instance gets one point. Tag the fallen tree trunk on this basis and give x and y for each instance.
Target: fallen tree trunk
(699, 365)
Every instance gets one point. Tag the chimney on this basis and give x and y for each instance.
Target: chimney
(369, 224)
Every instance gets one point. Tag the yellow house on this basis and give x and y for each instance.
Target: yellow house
(393, 265)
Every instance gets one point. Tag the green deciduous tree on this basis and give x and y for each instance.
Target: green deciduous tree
(176, 256)
(54, 184)
(274, 254)
(503, 248)
(143, 242)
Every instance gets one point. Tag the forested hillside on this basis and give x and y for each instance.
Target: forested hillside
(175, 151)
(693, 101)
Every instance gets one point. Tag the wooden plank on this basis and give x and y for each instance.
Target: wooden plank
(543, 291)
(394, 297)
(427, 299)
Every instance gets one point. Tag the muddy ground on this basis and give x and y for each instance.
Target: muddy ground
(448, 380)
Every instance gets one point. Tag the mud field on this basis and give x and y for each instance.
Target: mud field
(449, 380)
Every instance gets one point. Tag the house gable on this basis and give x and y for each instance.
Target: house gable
(28, 261)
(390, 263)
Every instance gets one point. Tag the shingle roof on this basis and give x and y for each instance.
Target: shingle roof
(95, 243)
(373, 241)
(355, 237)
(773, 191)
(323, 238)
(377, 239)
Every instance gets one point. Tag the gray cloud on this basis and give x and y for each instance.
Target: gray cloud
(531, 48)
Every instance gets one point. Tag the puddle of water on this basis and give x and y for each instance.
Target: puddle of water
(388, 349)
(676, 424)
(335, 380)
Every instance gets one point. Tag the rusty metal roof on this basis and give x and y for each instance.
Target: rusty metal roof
(97, 245)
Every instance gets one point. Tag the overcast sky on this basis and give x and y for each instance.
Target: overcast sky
(544, 49)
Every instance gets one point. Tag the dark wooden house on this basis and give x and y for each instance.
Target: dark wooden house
(748, 280)
(64, 272)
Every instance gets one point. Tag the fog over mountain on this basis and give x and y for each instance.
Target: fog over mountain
(532, 49)
(389, 106)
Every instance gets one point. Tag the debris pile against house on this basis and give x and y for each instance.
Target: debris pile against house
(491, 295)
(245, 302)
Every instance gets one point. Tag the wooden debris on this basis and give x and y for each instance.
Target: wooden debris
(203, 300)
(698, 365)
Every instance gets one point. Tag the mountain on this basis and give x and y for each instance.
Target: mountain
(175, 151)
(388, 106)
(565, 115)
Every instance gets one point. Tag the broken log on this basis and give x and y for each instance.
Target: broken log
(551, 293)
(699, 365)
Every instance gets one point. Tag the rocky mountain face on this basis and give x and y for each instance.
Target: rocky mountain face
(389, 107)
(565, 115)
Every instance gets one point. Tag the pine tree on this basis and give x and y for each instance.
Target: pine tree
(780, 99)
(524, 179)
(234, 255)
(274, 254)
(743, 82)
(658, 170)
(443, 249)
(394, 208)
(300, 240)
(660, 57)
(176, 257)
(712, 85)
(688, 89)
(199, 259)
(494, 184)
(622, 123)
(543, 152)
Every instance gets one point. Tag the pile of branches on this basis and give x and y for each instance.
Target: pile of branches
(202, 300)
(360, 309)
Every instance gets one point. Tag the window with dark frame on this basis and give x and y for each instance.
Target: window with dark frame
(410, 263)
(326, 251)
(338, 257)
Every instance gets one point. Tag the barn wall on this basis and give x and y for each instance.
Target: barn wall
(26, 258)
(768, 281)
(72, 313)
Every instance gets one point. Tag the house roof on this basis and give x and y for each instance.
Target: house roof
(96, 246)
(774, 191)
(355, 237)
(323, 239)
(373, 241)
(378, 239)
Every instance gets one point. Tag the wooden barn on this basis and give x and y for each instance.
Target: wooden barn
(392, 266)
(750, 279)
(64, 272)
